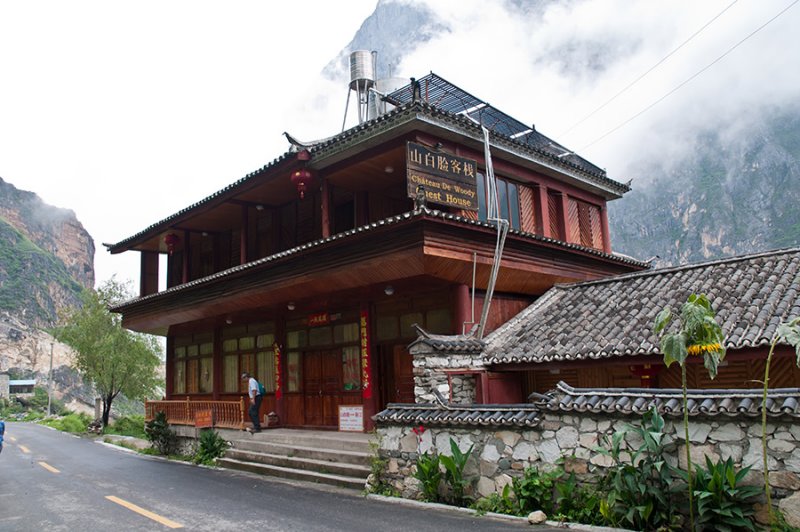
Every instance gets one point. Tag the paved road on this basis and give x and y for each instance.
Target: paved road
(54, 481)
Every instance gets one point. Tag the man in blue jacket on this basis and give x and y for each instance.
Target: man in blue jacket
(2, 431)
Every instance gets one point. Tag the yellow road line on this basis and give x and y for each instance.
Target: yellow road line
(49, 467)
(141, 511)
(24, 449)
(12, 438)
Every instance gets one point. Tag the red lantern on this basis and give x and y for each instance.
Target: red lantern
(171, 240)
(302, 179)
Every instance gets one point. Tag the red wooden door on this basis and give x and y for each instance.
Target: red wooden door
(322, 385)
(403, 376)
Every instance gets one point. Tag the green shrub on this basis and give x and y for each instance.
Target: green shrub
(454, 471)
(577, 503)
(161, 435)
(640, 491)
(722, 502)
(429, 474)
(73, 423)
(127, 426)
(535, 490)
(499, 503)
(212, 446)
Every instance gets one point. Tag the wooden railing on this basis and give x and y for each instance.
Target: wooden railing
(226, 414)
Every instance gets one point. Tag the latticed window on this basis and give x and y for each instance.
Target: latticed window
(193, 364)
(507, 200)
(248, 348)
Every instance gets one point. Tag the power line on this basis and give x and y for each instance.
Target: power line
(634, 82)
(715, 61)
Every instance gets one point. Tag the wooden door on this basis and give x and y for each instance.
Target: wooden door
(403, 371)
(322, 385)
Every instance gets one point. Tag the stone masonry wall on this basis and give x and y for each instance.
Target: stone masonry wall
(431, 369)
(502, 453)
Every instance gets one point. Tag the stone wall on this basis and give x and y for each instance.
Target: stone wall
(431, 369)
(501, 453)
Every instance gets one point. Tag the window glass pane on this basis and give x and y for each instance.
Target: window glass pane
(265, 360)
(296, 339)
(206, 375)
(481, 197)
(438, 322)
(230, 345)
(406, 321)
(247, 342)
(346, 333)
(192, 367)
(320, 336)
(180, 352)
(293, 371)
(351, 368)
(191, 351)
(387, 327)
(230, 373)
(207, 348)
(513, 205)
(265, 340)
(179, 379)
(246, 363)
(502, 198)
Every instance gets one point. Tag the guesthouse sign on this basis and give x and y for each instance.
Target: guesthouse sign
(445, 179)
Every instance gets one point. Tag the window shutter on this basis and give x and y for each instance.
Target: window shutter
(573, 222)
(527, 209)
(555, 217)
(597, 227)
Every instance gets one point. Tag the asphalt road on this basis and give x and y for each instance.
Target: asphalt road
(54, 481)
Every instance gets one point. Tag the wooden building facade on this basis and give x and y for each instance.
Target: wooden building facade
(310, 272)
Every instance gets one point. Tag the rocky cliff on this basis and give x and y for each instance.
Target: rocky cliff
(46, 257)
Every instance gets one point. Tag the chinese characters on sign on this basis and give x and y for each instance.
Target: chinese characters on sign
(447, 179)
(351, 418)
(316, 320)
(366, 388)
(276, 350)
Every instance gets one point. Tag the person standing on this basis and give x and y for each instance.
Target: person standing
(254, 390)
(2, 432)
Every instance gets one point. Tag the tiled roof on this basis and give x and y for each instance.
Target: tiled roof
(448, 343)
(530, 145)
(516, 415)
(751, 296)
(418, 213)
(637, 401)
(619, 401)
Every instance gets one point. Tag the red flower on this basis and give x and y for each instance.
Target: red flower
(418, 430)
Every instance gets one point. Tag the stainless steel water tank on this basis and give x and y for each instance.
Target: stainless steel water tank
(362, 70)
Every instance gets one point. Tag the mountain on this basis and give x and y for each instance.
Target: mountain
(46, 257)
(714, 180)
(735, 192)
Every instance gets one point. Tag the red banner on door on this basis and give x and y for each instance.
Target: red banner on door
(366, 381)
(276, 351)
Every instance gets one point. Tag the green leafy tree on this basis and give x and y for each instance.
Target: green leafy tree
(114, 359)
(699, 335)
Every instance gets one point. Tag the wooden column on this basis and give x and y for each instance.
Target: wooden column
(604, 228)
(148, 273)
(243, 237)
(169, 367)
(216, 364)
(462, 303)
(186, 256)
(327, 190)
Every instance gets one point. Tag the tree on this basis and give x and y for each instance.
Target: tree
(114, 359)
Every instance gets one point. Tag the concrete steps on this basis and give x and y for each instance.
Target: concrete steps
(335, 458)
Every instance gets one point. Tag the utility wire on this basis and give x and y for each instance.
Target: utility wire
(634, 82)
(664, 97)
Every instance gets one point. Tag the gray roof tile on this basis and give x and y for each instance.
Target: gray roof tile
(751, 295)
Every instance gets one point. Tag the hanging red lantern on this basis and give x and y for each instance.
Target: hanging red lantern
(302, 179)
(171, 240)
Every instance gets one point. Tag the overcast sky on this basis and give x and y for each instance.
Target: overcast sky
(129, 112)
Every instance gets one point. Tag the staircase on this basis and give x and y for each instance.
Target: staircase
(326, 457)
